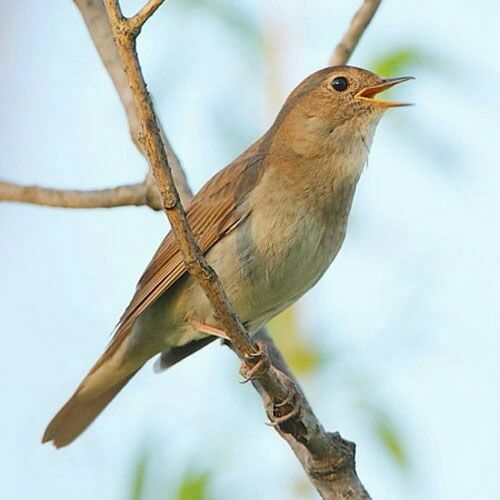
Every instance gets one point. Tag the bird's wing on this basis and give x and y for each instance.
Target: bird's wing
(216, 210)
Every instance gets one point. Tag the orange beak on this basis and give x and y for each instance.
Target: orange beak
(369, 93)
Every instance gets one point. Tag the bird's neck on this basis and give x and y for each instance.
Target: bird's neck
(320, 163)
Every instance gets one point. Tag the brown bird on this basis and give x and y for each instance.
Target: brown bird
(270, 223)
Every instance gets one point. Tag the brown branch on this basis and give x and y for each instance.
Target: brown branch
(137, 22)
(132, 194)
(358, 25)
(146, 193)
(327, 458)
(96, 19)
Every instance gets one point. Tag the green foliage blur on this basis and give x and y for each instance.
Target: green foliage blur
(194, 486)
(147, 483)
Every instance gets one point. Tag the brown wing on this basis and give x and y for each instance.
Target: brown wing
(215, 211)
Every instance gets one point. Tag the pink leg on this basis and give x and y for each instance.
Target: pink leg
(208, 329)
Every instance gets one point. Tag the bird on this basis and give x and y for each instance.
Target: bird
(270, 223)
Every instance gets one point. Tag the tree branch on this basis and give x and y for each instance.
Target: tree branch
(146, 193)
(359, 23)
(132, 194)
(94, 15)
(327, 458)
(137, 21)
(96, 19)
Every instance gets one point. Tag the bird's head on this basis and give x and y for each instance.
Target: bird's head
(342, 94)
(333, 105)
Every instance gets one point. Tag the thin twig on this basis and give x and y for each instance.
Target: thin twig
(137, 21)
(121, 196)
(359, 23)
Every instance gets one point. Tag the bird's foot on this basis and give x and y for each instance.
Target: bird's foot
(256, 364)
(283, 411)
(280, 411)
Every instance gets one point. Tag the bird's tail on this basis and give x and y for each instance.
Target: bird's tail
(103, 382)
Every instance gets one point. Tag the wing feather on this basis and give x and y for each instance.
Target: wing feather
(215, 211)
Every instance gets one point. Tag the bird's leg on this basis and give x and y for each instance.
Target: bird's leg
(254, 365)
(208, 329)
(282, 411)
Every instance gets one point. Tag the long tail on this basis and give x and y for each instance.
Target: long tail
(103, 382)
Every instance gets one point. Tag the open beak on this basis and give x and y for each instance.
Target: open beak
(369, 93)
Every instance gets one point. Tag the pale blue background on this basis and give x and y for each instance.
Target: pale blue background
(409, 310)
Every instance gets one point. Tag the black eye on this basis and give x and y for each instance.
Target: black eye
(340, 84)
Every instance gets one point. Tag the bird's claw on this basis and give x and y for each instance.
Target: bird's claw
(291, 400)
(250, 370)
(281, 411)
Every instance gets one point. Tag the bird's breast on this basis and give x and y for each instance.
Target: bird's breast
(284, 248)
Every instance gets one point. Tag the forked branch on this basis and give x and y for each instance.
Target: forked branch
(94, 15)
(137, 21)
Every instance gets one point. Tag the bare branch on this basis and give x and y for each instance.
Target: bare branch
(358, 25)
(114, 12)
(132, 194)
(96, 19)
(327, 458)
(137, 21)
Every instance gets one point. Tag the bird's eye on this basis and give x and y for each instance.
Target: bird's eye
(340, 84)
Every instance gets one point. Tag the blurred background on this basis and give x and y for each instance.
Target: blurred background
(397, 347)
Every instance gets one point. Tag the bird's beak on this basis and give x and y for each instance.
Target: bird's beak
(369, 93)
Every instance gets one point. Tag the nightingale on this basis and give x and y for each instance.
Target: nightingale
(270, 223)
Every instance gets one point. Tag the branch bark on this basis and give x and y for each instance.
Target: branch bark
(137, 21)
(125, 33)
(327, 458)
(349, 41)
(96, 19)
(121, 196)
(145, 193)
